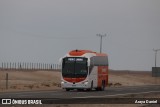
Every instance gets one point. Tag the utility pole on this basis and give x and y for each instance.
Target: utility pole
(156, 50)
(101, 36)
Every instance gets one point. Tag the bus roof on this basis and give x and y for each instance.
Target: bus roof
(81, 52)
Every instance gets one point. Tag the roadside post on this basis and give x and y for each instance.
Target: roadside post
(6, 80)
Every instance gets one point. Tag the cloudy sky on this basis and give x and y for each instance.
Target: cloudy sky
(45, 30)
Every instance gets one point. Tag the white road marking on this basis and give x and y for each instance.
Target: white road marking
(56, 94)
(17, 93)
(134, 89)
(24, 95)
(119, 90)
(116, 95)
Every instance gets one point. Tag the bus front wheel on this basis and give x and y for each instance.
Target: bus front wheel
(90, 89)
(67, 89)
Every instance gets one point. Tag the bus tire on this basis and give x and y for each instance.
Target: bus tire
(97, 89)
(67, 89)
(90, 89)
(80, 89)
(91, 86)
(103, 86)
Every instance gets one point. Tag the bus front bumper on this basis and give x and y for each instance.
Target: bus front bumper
(75, 86)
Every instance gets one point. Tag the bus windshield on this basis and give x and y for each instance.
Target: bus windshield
(74, 67)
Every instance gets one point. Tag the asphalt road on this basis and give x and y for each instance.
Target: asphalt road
(109, 92)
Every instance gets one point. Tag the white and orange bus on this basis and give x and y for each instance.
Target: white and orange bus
(84, 69)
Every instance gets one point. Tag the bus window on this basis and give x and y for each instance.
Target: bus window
(81, 67)
(74, 67)
(68, 67)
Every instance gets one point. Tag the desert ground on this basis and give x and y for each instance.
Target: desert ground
(50, 80)
(133, 78)
(29, 80)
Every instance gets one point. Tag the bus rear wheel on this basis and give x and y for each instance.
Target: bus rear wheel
(102, 88)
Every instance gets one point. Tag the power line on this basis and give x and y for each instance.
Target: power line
(156, 50)
(57, 37)
(101, 36)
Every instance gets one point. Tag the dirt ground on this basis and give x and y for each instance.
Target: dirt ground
(133, 78)
(50, 80)
(29, 80)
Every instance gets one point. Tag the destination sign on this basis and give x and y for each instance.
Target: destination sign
(75, 59)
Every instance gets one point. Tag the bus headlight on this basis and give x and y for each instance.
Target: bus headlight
(62, 82)
(86, 82)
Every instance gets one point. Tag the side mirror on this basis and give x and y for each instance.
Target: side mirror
(60, 61)
(88, 62)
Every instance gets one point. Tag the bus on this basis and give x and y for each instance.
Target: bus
(84, 70)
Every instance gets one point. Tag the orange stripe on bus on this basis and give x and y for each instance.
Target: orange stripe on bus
(74, 79)
(81, 52)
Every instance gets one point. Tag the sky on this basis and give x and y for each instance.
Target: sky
(42, 31)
